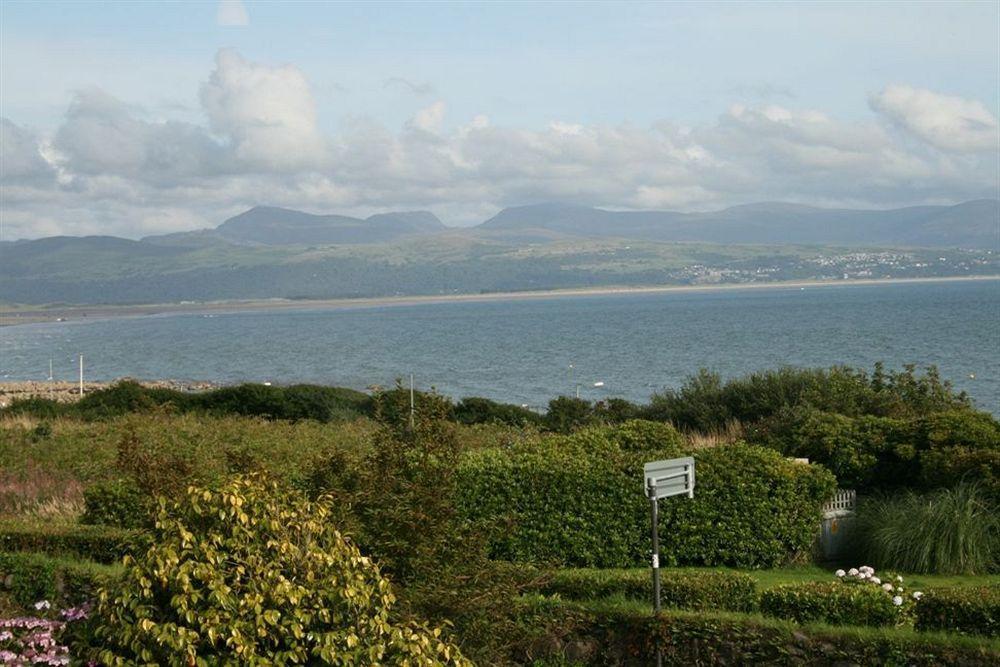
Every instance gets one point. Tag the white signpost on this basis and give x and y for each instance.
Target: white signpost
(672, 477)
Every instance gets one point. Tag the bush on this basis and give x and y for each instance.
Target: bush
(679, 589)
(707, 403)
(598, 635)
(974, 611)
(115, 502)
(30, 577)
(830, 602)
(102, 544)
(566, 414)
(476, 410)
(579, 501)
(949, 531)
(250, 574)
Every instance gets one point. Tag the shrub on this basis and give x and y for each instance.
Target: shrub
(636, 435)
(579, 501)
(949, 531)
(248, 573)
(476, 410)
(752, 508)
(30, 577)
(103, 544)
(974, 610)
(325, 404)
(121, 398)
(619, 635)
(115, 502)
(566, 414)
(679, 589)
(706, 403)
(830, 602)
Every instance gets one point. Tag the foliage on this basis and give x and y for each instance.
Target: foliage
(578, 501)
(476, 410)
(974, 611)
(254, 574)
(858, 598)
(630, 635)
(103, 544)
(566, 414)
(948, 531)
(679, 589)
(115, 502)
(402, 502)
(295, 402)
(29, 577)
(705, 402)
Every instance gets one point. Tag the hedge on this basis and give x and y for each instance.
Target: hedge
(578, 501)
(679, 589)
(974, 611)
(830, 602)
(30, 577)
(102, 544)
(598, 635)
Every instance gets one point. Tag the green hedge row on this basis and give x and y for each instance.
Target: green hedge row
(730, 591)
(974, 611)
(830, 602)
(585, 634)
(579, 501)
(31, 577)
(101, 544)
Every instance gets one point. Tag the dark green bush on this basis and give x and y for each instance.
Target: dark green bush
(566, 414)
(477, 410)
(103, 544)
(948, 531)
(830, 602)
(707, 403)
(630, 636)
(973, 611)
(617, 410)
(31, 577)
(116, 502)
(121, 398)
(679, 589)
(42, 408)
(325, 404)
(579, 501)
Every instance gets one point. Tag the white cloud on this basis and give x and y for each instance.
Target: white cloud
(267, 113)
(946, 122)
(112, 168)
(231, 13)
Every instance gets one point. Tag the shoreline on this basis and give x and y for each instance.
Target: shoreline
(20, 316)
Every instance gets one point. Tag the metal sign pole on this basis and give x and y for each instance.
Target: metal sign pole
(655, 521)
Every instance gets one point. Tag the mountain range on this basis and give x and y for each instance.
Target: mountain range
(268, 252)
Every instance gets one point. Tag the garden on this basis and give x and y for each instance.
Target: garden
(316, 525)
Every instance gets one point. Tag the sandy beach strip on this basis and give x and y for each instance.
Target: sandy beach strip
(13, 316)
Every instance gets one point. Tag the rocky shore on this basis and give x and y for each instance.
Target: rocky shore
(68, 392)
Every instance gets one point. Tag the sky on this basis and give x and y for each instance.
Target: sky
(144, 118)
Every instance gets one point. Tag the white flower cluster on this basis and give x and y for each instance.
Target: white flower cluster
(866, 574)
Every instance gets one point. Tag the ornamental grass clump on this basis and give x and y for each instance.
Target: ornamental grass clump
(949, 531)
(251, 574)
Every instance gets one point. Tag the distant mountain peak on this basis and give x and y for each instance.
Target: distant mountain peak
(273, 225)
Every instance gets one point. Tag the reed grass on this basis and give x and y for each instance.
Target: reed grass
(948, 531)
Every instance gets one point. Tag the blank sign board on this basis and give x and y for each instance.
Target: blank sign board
(672, 477)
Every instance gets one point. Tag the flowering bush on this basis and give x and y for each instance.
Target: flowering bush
(892, 587)
(31, 640)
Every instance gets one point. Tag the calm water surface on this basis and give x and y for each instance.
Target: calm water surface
(521, 351)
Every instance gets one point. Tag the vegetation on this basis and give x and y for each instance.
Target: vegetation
(470, 508)
(974, 611)
(260, 575)
(954, 530)
(576, 501)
